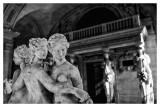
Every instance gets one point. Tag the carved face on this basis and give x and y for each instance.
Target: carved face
(17, 60)
(59, 52)
(42, 52)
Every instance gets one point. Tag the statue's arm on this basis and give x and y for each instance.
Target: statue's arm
(15, 75)
(19, 83)
(57, 87)
(76, 78)
(52, 85)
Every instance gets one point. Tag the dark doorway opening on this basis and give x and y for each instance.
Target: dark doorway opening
(94, 81)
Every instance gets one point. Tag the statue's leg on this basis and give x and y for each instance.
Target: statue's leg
(111, 92)
(144, 94)
(107, 91)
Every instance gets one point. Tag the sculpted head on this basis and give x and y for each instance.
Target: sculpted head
(21, 53)
(39, 47)
(58, 45)
(106, 55)
(141, 49)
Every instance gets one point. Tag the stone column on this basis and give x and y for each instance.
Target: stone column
(8, 52)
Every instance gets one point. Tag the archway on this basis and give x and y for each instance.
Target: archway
(96, 16)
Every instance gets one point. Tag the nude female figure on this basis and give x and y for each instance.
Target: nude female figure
(145, 77)
(109, 79)
(63, 71)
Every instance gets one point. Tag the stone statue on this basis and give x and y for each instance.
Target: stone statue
(35, 78)
(109, 79)
(63, 71)
(21, 56)
(145, 76)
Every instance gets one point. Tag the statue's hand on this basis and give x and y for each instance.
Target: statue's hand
(88, 101)
(8, 86)
(81, 94)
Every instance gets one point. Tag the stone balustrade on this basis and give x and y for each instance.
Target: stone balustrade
(109, 27)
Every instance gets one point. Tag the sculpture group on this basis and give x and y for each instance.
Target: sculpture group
(32, 84)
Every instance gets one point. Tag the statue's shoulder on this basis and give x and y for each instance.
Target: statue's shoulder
(71, 66)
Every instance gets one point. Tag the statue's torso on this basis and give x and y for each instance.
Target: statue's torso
(63, 74)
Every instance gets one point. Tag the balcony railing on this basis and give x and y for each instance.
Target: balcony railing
(121, 24)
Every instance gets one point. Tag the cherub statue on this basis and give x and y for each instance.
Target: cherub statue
(109, 79)
(63, 71)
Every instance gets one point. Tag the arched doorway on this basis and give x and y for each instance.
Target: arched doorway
(96, 16)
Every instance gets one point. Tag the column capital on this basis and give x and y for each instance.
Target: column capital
(9, 35)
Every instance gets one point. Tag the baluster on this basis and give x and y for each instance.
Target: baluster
(113, 24)
(122, 24)
(90, 30)
(70, 36)
(74, 36)
(116, 25)
(111, 28)
(93, 31)
(132, 23)
(77, 34)
(82, 34)
(101, 32)
(119, 24)
(126, 23)
(85, 33)
(106, 28)
(97, 30)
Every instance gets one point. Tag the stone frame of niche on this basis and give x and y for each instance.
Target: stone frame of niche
(127, 62)
(74, 16)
